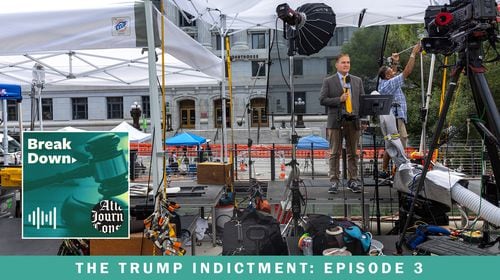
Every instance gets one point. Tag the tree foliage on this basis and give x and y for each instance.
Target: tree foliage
(364, 49)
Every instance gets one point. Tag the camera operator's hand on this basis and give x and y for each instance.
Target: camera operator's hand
(416, 49)
(395, 58)
(411, 61)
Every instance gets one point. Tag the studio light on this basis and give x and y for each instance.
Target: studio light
(288, 15)
(311, 26)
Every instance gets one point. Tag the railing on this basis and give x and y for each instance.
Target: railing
(465, 157)
(268, 160)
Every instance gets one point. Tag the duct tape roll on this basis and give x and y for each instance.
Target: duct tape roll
(337, 230)
(337, 252)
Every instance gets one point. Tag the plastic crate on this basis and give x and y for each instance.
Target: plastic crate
(10, 177)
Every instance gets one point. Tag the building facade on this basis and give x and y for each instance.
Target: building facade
(198, 107)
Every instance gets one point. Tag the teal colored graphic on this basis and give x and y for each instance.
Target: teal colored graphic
(75, 185)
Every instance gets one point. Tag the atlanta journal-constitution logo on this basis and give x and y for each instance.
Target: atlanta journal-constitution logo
(107, 216)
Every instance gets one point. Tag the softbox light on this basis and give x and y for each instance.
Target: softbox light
(313, 29)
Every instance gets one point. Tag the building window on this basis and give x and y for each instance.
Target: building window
(299, 109)
(47, 109)
(115, 107)
(258, 68)
(298, 67)
(187, 114)
(12, 112)
(218, 114)
(280, 108)
(259, 40)
(330, 65)
(217, 43)
(184, 22)
(340, 36)
(146, 109)
(259, 113)
(80, 108)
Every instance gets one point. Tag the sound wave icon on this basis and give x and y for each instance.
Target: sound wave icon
(40, 218)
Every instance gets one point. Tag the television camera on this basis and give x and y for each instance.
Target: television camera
(450, 26)
(462, 27)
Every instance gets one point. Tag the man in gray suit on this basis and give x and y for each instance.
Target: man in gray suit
(340, 94)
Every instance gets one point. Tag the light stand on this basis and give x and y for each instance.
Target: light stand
(249, 143)
(365, 214)
(249, 124)
(471, 60)
(375, 178)
(300, 28)
(294, 180)
(375, 105)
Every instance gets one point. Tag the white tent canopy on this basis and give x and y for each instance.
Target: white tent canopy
(134, 135)
(262, 13)
(77, 44)
(70, 129)
(107, 67)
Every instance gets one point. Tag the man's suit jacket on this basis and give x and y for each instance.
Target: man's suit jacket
(331, 91)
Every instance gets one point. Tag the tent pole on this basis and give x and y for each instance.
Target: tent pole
(20, 110)
(223, 90)
(423, 136)
(153, 95)
(5, 132)
(40, 116)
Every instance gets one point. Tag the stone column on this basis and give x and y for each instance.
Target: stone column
(204, 34)
(240, 41)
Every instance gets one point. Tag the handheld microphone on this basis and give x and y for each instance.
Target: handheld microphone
(347, 81)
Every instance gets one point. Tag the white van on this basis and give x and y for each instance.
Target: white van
(13, 155)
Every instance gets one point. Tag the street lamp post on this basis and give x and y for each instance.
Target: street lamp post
(135, 112)
(300, 106)
(169, 117)
(272, 121)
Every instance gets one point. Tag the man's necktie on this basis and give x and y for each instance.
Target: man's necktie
(348, 103)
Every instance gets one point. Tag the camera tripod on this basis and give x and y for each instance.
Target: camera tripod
(470, 61)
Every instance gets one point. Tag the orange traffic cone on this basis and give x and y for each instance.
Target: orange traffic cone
(282, 175)
(243, 166)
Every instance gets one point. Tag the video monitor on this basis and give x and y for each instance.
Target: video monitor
(375, 105)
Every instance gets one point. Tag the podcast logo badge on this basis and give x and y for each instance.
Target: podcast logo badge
(75, 185)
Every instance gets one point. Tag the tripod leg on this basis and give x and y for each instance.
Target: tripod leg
(439, 127)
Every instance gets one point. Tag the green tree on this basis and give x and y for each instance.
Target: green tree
(364, 49)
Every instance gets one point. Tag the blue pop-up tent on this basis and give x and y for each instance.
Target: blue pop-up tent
(318, 143)
(10, 92)
(185, 139)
